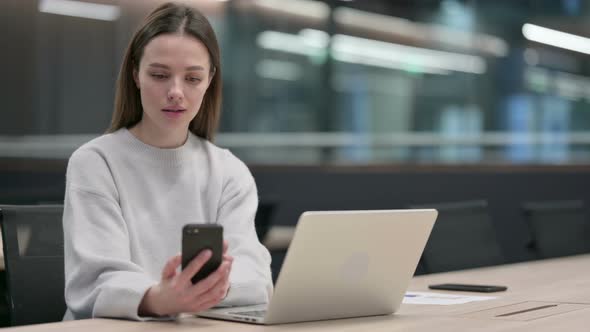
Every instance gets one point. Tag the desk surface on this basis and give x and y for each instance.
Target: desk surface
(563, 281)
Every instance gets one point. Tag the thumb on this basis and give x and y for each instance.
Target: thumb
(169, 270)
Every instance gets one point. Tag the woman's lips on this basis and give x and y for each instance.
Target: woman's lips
(173, 113)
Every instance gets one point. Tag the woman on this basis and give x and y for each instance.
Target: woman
(130, 192)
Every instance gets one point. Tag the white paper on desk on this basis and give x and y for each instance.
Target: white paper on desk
(441, 299)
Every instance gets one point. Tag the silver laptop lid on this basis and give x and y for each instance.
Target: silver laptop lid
(349, 264)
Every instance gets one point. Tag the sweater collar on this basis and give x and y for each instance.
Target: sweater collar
(170, 156)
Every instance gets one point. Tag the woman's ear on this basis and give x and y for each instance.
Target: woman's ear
(212, 74)
(136, 78)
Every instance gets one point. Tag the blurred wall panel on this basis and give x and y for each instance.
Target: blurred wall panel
(18, 66)
(77, 65)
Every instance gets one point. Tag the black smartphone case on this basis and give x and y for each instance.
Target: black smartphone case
(198, 237)
(469, 288)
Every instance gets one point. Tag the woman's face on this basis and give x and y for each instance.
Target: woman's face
(173, 76)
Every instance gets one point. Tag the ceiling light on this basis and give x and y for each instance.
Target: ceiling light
(430, 33)
(304, 8)
(313, 43)
(80, 9)
(556, 38)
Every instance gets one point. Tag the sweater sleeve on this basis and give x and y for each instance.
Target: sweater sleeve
(100, 279)
(250, 278)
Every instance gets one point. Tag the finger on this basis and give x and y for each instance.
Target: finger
(194, 266)
(201, 306)
(170, 268)
(206, 284)
(225, 246)
(219, 291)
(228, 258)
(214, 295)
(209, 305)
(231, 263)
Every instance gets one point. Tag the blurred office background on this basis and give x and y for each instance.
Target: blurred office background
(360, 104)
(331, 82)
(480, 108)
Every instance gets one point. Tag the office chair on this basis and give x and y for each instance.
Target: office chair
(558, 228)
(34, 263)
(4, 317)
(463, 237)
(263, 218)
(263, 221)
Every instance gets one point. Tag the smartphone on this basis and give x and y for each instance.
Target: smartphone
(469, 288)
(198, 237)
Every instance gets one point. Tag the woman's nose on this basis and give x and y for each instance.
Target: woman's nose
(175, 92)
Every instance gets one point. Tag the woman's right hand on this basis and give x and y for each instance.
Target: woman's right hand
(176, 293)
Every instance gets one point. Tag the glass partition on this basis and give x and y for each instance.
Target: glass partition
(325, 82)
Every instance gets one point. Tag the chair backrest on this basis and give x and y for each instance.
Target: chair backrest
(463, 237)
(34, 262)
(263, 218)
(558, 228)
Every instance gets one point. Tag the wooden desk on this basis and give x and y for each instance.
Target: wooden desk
(564, 281)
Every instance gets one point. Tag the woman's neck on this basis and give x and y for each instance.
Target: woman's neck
(158, 138)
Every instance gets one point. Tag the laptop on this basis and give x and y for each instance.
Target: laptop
(342, 264)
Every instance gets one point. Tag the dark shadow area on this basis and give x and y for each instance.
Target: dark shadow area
(34, 263)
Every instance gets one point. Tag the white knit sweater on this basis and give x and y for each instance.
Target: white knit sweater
(125, 205)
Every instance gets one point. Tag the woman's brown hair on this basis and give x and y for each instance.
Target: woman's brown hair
(169, 18)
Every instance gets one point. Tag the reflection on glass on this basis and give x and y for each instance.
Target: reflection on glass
(330, 82)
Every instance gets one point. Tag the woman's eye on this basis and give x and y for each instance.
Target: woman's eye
(159, 76)
(193, 79)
